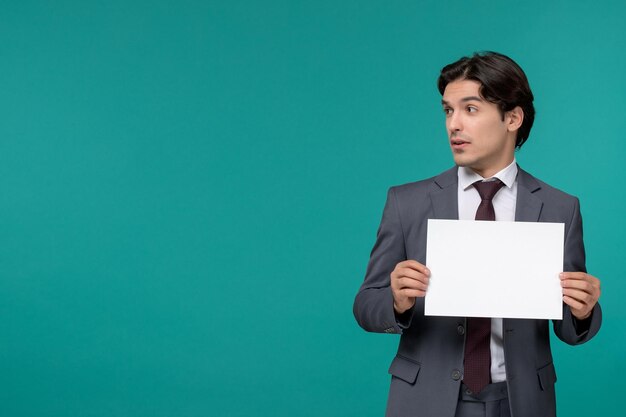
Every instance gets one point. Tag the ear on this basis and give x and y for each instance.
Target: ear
(514, 119)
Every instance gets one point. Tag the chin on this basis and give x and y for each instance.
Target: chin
(463, 162)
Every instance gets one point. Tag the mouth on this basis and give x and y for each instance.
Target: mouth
(457, 143)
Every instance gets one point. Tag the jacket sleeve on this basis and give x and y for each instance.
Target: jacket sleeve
(373, 305)
(571, 330)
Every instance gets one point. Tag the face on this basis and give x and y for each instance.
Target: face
(479, 138)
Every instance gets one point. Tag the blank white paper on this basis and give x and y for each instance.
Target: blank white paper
(494, 269)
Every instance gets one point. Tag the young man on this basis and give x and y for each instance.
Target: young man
(456, 366)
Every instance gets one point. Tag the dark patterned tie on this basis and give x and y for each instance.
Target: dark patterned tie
(477, 354)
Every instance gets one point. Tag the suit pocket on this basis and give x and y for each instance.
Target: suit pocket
(547, 376)
(404, 368)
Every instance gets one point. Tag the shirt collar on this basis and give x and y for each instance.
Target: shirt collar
(467, 176)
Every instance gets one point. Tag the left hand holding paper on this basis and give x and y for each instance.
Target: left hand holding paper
(581, 292)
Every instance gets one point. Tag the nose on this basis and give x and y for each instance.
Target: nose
(454, 122)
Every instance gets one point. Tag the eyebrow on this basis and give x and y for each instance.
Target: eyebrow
(464, 100)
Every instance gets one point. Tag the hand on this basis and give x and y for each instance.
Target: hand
(581, 292)
(409, 280)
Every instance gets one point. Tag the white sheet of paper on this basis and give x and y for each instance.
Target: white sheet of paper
(494, 269)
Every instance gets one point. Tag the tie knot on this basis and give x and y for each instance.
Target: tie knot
(488, 189)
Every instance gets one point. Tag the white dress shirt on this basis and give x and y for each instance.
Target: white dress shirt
(504, 206)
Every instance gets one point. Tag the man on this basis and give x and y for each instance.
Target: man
(455, 366)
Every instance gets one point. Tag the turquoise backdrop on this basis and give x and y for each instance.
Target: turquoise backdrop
(190, 191)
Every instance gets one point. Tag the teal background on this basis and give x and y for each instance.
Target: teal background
(190, 191)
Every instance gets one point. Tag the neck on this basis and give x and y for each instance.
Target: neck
(488, 172)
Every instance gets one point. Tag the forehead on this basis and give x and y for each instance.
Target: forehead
(461, 90)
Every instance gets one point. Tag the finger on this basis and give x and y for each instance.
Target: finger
(413, 293)
(412, 264)
(577, 284)
(411, 283)
(580, 296)
(574, 304)
(579, 276)
(412, 273)
(573, 275)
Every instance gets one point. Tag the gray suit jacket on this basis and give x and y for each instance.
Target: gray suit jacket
(427, 370)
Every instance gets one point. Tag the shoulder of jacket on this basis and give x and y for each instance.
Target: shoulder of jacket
(444, 179)
(543, 188)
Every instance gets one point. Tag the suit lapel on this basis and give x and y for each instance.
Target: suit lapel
(528, 205)
(444, 197)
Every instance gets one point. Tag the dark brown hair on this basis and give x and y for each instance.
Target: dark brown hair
(502, 82)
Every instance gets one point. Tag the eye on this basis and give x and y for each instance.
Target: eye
(472, 109)
(447, 111)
